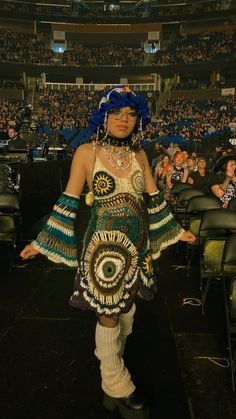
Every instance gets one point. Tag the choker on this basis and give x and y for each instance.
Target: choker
(117, 142)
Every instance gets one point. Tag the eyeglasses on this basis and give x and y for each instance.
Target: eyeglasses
(118, 114)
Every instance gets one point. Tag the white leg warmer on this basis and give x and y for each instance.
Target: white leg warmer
(126, 324)
(116, 380)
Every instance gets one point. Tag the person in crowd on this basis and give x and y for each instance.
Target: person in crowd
(217, 154)
(200, 179)
(223, 182)
(177, 173)
(160, 175)
(191, 164)
(130, 225)
(159, 151)
(172, 149)
(15, 141)
(185, 157)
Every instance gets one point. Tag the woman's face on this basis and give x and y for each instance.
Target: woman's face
(165, 160)
(121, 122)
(201, 164)
(231, 167)
(179, 160)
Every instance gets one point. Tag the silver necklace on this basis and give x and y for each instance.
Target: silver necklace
(119, 157)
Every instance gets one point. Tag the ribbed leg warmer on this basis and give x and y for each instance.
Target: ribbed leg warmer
(126, 324)
(116, 380)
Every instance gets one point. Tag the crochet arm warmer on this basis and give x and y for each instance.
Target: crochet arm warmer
(164, 230)
(57, 239)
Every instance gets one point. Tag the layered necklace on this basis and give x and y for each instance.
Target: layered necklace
(118, 152)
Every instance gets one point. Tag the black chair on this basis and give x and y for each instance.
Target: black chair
(196, 206)
(232, 204)
(175, 190)
(216, 226)
(182, 200)
(229, 290)
(10, 222)
(178, 187)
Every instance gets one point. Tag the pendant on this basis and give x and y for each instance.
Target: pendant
(89, 198)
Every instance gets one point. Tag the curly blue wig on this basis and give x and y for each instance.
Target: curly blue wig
(118, 97)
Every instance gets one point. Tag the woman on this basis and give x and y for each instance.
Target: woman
(177, 173)
(223, 183)
(160, 175)
(200, 178)
(116, 261)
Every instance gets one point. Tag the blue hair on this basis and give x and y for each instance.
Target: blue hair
(118, 97)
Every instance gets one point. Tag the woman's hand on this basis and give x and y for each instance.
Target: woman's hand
(188, 237)
(28, 252)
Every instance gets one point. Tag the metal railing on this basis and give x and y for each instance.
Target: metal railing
(91, 87)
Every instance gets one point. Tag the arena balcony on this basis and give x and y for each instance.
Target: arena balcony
(117, 11)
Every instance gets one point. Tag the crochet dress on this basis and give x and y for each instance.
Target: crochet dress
(125, 234)
(116, 254)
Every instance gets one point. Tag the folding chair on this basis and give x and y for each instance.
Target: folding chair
(216, 225)
(229, 289)
(176, 189)
(232, 204)
(182, 202)
(10, 221)
(196, 206)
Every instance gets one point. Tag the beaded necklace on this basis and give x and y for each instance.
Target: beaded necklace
(118, 152)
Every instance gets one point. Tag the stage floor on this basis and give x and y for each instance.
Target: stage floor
(47, 362)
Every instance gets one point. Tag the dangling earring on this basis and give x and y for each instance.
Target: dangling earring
(136, 138)
(141, 128)
(105, 126)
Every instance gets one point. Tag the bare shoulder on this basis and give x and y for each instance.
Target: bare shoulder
(84, 150)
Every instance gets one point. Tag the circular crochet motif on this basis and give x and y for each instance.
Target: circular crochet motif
(103, 184)
(114, 262)
(138, 181)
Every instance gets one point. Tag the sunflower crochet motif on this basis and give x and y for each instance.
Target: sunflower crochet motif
(103, 184)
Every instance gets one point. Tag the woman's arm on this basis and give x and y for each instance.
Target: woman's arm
(217, 191)
(185, 176)
(74, 188)
(168, 177)
(150, 185)
(78, 173)
(190, 180)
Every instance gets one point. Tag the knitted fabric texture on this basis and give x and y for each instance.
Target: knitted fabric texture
(57, 239)
(116, 379)
(164, 230)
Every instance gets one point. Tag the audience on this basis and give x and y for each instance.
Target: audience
(200, 178)
(182, 49)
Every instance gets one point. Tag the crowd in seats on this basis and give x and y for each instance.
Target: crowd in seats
(25, 48)
(65, 110)
(143, 10)
(38, 9)
(11, 84)
(183, 49)
(213, 175)
(224, 83)
(193, 84)
(181, 120)
(197, 48)
(110, 54)
(9, 113)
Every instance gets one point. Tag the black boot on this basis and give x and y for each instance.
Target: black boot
(134, 406)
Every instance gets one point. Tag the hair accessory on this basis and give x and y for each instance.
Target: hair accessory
(118, 97)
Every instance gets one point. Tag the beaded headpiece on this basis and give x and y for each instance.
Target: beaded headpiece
(118, 97)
